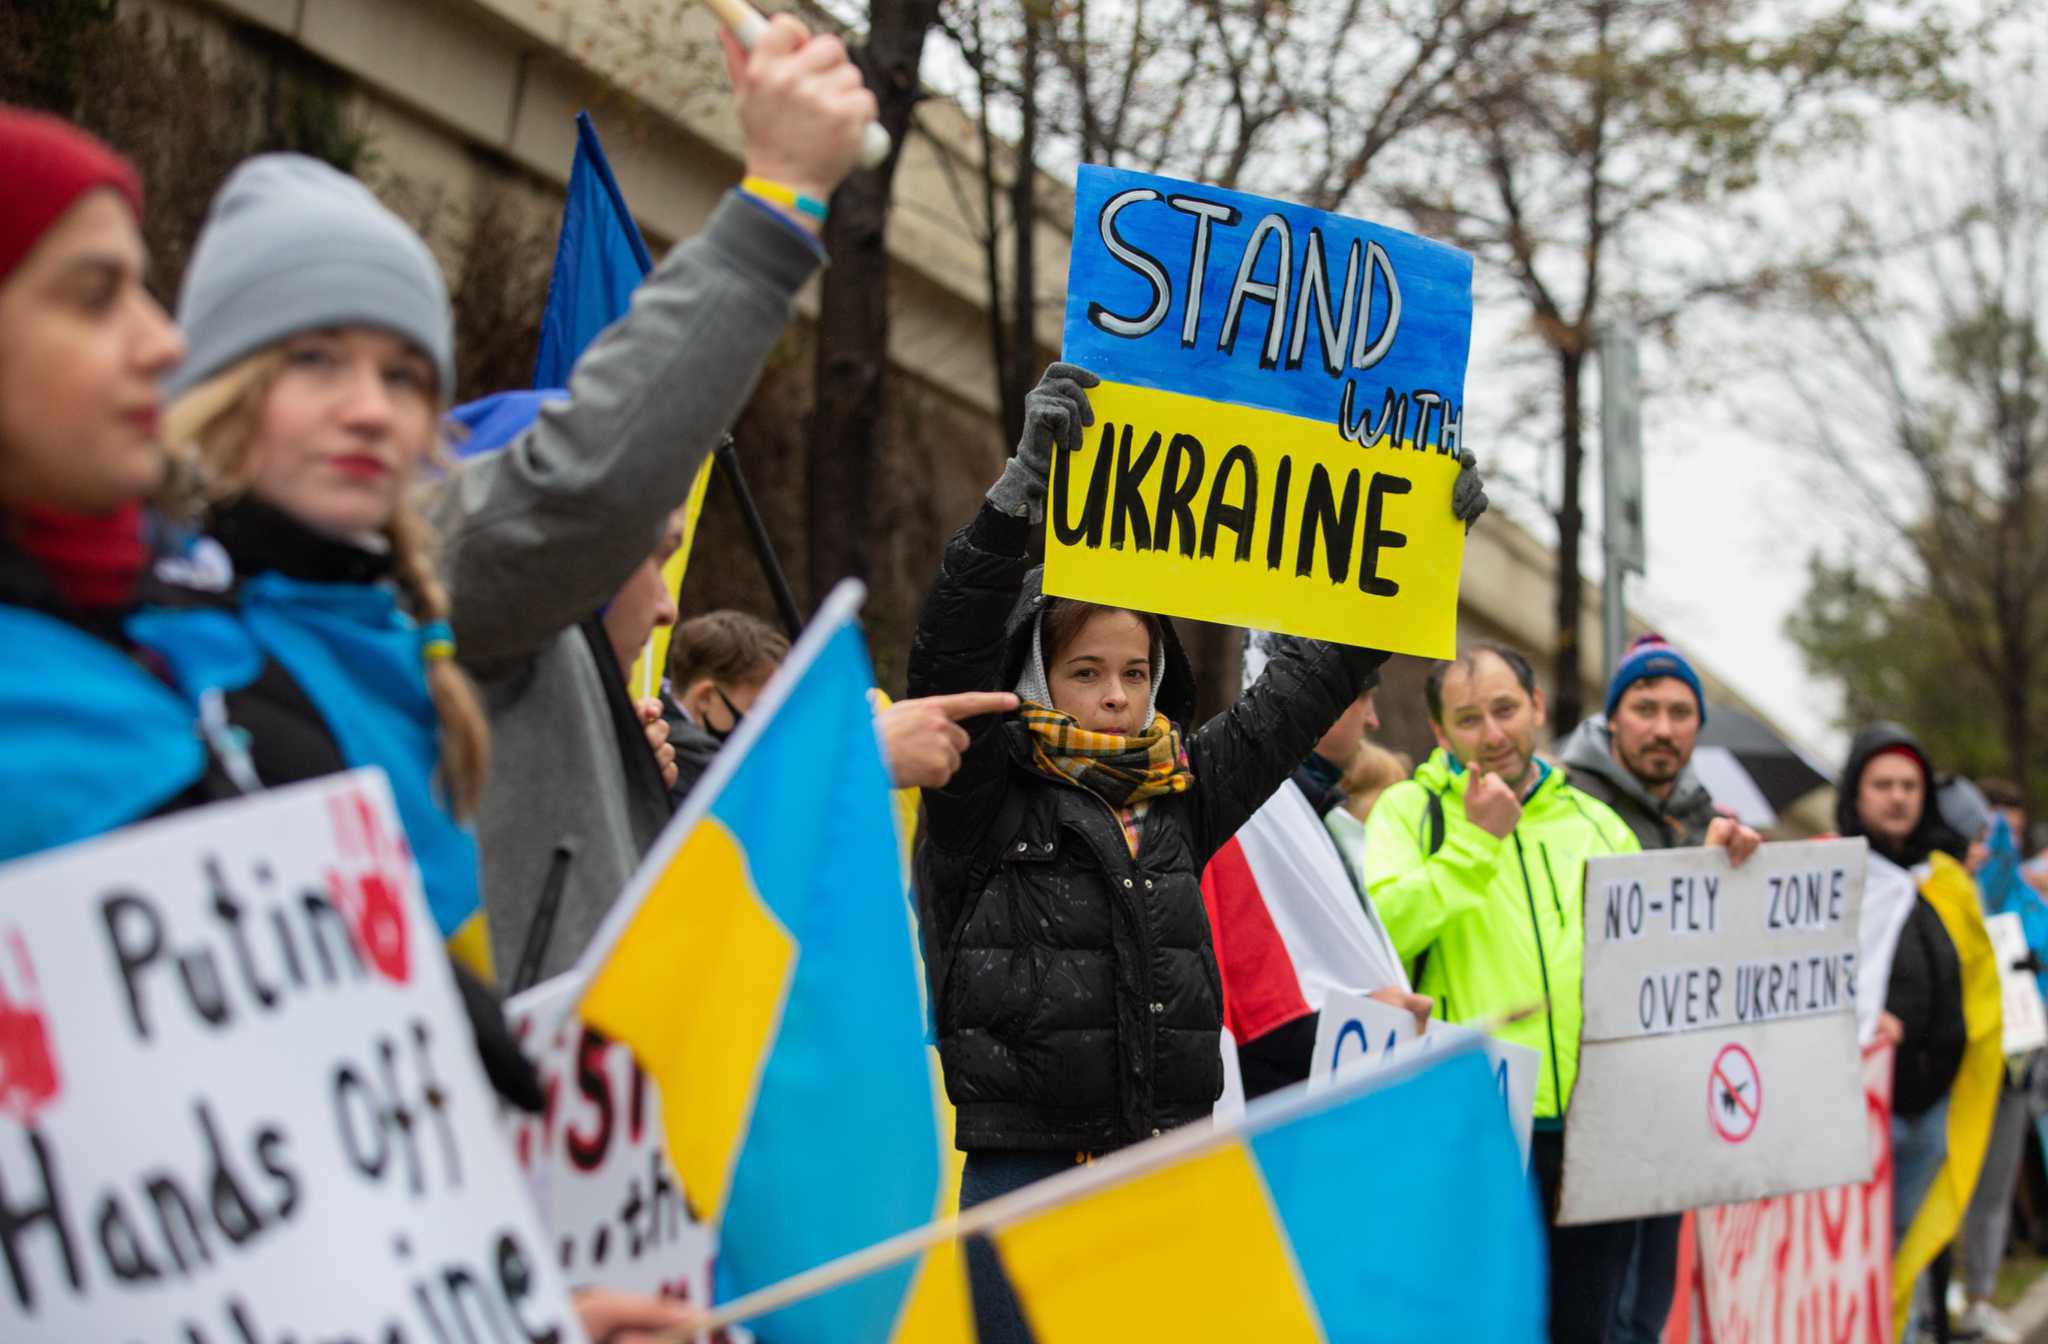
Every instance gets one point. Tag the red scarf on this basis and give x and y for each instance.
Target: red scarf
(95, 560)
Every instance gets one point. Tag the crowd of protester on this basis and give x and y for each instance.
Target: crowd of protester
(252, 543)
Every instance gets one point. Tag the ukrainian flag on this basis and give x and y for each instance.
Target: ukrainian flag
(1393, 1211)
(600, 259)
(1972, 1098)
(761, 967)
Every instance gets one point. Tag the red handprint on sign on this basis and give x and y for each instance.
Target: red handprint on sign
(28, 1071)
(370, 891)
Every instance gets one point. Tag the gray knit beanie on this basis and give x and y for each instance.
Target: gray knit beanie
(290, 245)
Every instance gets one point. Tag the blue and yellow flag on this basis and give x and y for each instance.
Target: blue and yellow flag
(1972, 1098)
(600, 259)
(761, 968)
(1392, 1211)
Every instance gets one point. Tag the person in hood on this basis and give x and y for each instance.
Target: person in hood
(1477, 867)
(1073, 982)
(1637, 759)
(1939, 966)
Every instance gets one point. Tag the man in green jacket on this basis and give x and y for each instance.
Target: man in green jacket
(1477, 866)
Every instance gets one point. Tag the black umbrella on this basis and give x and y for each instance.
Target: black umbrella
(1782, 772)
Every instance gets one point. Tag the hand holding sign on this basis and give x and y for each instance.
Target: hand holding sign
(1055, 413)
(1739, 840)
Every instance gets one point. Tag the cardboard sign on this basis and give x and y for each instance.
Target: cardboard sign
(1356, 1035)
(239, 1098)
(1718, 1061)
(1812, 1266)
(1279, 420)
(595, 1158)
(2026, 1027)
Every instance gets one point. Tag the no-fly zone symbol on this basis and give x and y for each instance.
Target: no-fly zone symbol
(1735, 1094)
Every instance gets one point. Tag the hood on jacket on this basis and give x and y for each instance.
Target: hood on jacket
(1930, 834)
(1173, 694)
(1591, 748)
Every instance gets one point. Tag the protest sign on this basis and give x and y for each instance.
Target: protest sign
(239, 1099)
(1277, 430)
(1717, 1062)
(1357, 1035)
(1810, 1266)
(2026, 1028)
(596, 1161)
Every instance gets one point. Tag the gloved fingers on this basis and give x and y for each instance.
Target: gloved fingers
(1071, 372)
(1062, 403)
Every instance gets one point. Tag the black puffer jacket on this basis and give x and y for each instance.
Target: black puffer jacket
(1925, 990)
(1075, 987)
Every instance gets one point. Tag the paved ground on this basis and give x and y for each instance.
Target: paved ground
(2030, 1313)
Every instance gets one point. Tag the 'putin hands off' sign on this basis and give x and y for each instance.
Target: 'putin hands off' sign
(1277, 430)
(239, 1098)
(1718, 1061)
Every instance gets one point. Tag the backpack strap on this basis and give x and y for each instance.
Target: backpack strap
(1433, 842)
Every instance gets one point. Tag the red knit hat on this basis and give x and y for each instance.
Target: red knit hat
(47, 164)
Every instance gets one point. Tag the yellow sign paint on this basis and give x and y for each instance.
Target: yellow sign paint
(1219, 512)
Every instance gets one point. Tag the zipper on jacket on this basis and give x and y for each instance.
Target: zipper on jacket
(1543, 966)
(1148, 1048)
(1556, 903)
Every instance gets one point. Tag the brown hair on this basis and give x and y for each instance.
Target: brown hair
(1064, 617)
(210, 428)
(2002, 793)
(730, 647)
(1371, 771)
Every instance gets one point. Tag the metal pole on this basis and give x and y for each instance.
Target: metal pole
(764, 549)
(1621, 481)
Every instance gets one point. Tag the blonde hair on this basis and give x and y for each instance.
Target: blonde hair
(210, 428)
(1371, 771)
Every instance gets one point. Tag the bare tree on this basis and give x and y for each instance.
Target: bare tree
(1586, 153)
(853, 318)
(1923, 370)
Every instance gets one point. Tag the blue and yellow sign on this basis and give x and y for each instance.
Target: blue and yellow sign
(1278, 426)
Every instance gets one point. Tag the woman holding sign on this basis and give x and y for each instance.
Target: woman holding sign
(1075, 987)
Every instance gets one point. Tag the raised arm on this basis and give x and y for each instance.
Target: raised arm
(1243, 754)
(961, 642)
(541, 534)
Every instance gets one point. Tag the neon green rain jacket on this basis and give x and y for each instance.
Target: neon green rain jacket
(1494, 924)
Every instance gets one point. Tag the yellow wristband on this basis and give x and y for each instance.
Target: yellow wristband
(788, 197)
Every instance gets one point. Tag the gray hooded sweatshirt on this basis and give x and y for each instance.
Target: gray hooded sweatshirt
(1678, 822)
(540, 534)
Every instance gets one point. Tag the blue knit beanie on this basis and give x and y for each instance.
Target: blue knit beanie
(291, 245)
(1648, 657)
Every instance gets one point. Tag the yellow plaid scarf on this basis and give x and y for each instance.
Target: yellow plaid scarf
(1125, 772)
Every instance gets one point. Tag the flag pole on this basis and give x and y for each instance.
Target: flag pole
(764, 549)
(1138, 1160)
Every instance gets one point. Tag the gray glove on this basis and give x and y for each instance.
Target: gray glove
(1055, 412)
(1468, 492)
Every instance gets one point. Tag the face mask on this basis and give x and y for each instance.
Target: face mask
(739, 716)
